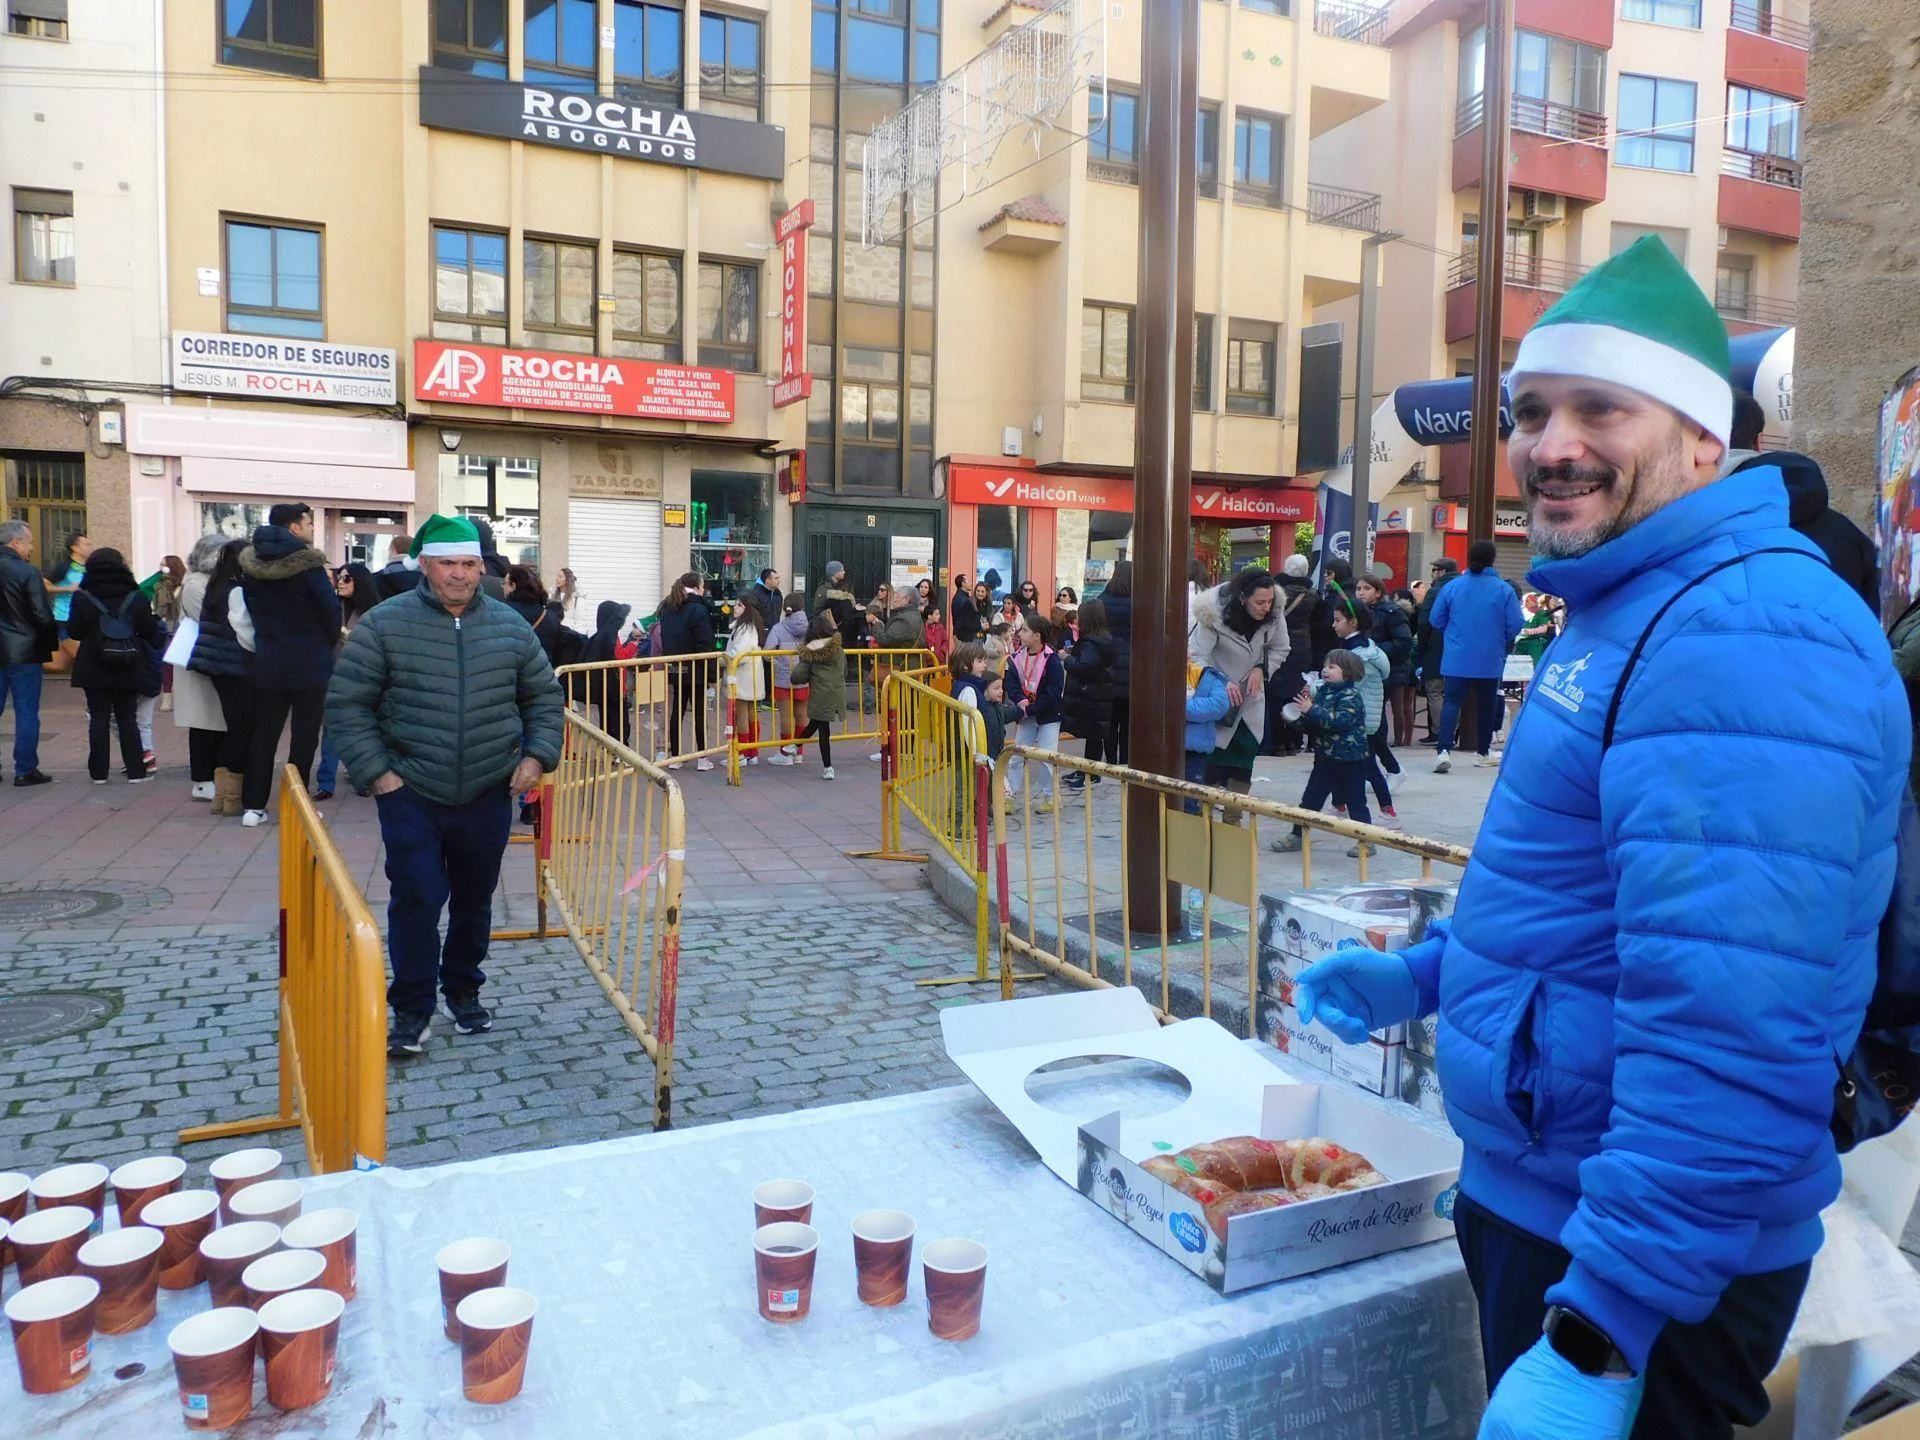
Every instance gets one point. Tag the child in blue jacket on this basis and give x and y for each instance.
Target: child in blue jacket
(1207, 706)
(1336, 720)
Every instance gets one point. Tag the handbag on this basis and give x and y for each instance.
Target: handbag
(180, 648)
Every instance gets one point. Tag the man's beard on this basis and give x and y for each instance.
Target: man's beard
(1563, 542)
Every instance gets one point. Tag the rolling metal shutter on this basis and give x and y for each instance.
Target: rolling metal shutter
(613, 548)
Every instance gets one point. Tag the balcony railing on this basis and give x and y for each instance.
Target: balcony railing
(1764, 19)
(1767, 169)
(1350, 20)
(1754, 309)
(1529, 272)
(1347, 209)
(1537, 117)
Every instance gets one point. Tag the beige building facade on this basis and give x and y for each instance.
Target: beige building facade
(1680, 118)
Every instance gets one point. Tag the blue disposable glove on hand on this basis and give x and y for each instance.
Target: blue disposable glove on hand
(1542, 1397)
(1354, 990)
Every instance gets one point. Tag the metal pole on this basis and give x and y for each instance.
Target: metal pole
(1496, 145)
(1362, 543)
(1163, 424)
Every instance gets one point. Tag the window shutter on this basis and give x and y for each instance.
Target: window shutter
(39, 9)
(613, 548)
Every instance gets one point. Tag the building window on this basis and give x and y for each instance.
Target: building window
(278, 35)
(471, 35)
(1266, 7)
(1206, 146)
(1106, 352)
(273, 279)
(1733, 285)
(1656, 123)
(826, 36)
(876, 49)
(1257, 144)
(469, 285)
(729, 320)
(1762, 124)
(1113, 138)
(37, 19)
(1683, 13)
(43, 236)
(558, 294)
(870, 395)
(1203, 362)
(562, 44)
(646, 305)
(1251, 345)
(730, 528)
(503, 490)
(647, 45)
(729, 65)
(1550, 76)
(49, 492)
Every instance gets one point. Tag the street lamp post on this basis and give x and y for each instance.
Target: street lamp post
(1496, 119)
(1362, 541)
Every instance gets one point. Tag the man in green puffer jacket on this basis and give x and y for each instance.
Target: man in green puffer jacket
(444, 700)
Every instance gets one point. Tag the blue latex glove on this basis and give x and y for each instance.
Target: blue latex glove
(1542, 1397)
(1356, 989)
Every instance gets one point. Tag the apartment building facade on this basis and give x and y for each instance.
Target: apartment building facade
(82, 314)
(1679, 118)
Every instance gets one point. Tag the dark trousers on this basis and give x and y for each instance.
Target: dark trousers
(105, 710)
(1400, 706)
(236, 709)
(203, 754)
(1381, 763)
(1435, 690)
(1342, 781)
(270, 711)
(682, 690)
(823, 730)
(1486, 706)
(440, 856)
(1117, 731)
(1702, 1379)
(1099, 743)
(22, 683)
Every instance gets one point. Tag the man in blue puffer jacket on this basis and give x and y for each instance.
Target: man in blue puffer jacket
(1661, 946)
(1479, 615)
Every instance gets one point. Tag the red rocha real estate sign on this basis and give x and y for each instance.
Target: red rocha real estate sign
(461, 374)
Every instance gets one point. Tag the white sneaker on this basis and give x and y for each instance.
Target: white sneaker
(875, 757)
(780, 759)
(827, 774)
(703, 765)
(1487, 762)
(202, 790)
(660, 757)
(1443, 763)
(254, 818)
(750, 760)
(790, 750)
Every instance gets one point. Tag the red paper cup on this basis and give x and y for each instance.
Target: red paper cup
(496, 1331)
(467, 1266)
(213, 1363)
(280, 1273)
(228, 1251)
(46, 1244)
(72, 1185)
(299, 1336)
(778, 1200)
(13, 1194)
(53, 1332)
(138, 1181)
(184, 1219)
(237, 1169)
(274, 1201)
(783, 1258)
(955, 1274)
(882, 1255)
(332, 1234)
(126, 1262)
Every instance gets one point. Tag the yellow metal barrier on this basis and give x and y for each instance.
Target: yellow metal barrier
(333, 1003)
(864, 719)
(1219, 858)
(611, 863)
(657, 703)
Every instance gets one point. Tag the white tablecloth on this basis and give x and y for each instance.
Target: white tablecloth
(639, 1252)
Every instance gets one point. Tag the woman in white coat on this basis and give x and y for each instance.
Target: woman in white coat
(196, 704)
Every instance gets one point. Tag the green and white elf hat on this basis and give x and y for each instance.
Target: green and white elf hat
(1639, 321)
(445, 535)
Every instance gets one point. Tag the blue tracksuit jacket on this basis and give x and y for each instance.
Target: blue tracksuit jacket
(1658, 956)
(1480, 615)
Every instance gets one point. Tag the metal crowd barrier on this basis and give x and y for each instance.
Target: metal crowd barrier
(672, 708)
(333, 1003)
(611, 856)
(864, 719)
(1217, 857)
(934, 767)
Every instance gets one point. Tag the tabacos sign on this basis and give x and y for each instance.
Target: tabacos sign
(546, 380)
(1032, 489)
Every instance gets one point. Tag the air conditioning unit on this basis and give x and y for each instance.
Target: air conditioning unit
(1010, 441)
(1543, 207)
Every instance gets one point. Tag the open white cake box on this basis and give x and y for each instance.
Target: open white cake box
(1233, 1091)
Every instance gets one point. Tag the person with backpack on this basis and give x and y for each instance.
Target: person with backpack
(116, 631)
(685, 627)
(821, 667)
(789, 699)
(296, 623)
(1666, 938)
(1090, 666)
(605, 689)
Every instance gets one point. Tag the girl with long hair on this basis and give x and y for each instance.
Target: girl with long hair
(747, 677)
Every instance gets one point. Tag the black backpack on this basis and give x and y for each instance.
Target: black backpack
(119, 646)
(1880, 1081)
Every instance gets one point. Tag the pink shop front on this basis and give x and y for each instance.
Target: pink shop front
(199, 468)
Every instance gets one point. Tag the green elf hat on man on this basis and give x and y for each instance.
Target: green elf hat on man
(1639, 321)
(445, 536)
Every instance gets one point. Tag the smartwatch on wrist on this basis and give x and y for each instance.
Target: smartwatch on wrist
(1584, 1345)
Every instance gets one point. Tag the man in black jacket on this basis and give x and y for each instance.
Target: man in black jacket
(1848, 550)
(296, 624)
(963, 616)
(27, 642)
(401, 573)
(1430, 645)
